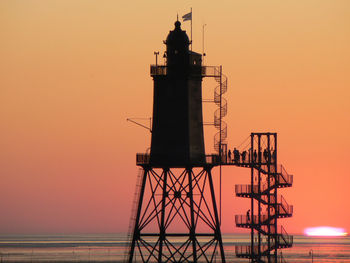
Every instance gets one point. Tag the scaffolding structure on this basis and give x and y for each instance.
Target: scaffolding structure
(266, 206)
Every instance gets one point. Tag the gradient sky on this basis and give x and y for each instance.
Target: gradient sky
(71, 72)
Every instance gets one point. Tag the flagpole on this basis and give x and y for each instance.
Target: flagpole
(203, 54)
(189, 17)
(191, 28)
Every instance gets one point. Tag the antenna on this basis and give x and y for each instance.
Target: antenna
(203, 54)
(133, 120)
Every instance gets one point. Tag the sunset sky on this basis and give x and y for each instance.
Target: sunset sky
(71, 72)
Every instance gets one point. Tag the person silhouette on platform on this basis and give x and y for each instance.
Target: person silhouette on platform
(266, 155)
(244, 154)
(236, 155)
(229, 156)
(255, 155)
(259, 154)
(273, 155)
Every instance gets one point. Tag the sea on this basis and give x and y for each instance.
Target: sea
(112, 247)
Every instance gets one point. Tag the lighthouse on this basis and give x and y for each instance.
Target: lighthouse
(175, 216)
(177, 130)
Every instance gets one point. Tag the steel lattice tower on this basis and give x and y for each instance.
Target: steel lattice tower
(267, 236)
(174, 200)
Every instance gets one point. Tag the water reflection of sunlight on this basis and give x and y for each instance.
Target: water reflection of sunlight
(325, 231)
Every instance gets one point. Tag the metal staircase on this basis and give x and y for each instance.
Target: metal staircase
(221, 136)
(267, 207)
(134, 209)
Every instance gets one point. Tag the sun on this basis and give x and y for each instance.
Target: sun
(325, 231)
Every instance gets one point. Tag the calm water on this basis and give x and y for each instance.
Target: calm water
(111, 247)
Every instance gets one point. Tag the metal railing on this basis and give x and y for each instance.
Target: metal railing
(212, 159)
(283, 176)
(245, 220)
(144, 158)
(284, 208)
(221, 136)
(210, 71)
(133, 213)
(265, 199)
(285, 239)
(240, 158)
(246, 157)
(157, 70)
(206, 71)
(265, 187)
(246, 189)
(254, 189)
(243, 250)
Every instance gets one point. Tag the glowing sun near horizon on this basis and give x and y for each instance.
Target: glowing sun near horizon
(325, 231)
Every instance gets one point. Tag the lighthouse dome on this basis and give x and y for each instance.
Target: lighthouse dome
(178, 38)
(177, 48)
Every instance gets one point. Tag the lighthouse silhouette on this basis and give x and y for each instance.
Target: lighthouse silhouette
(177, 131)
(175, 216)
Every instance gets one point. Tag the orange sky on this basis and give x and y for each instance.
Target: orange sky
(71, 72)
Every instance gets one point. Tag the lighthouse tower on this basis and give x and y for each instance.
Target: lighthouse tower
(175, 217)
(177, 132)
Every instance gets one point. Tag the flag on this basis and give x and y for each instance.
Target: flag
(187, 16)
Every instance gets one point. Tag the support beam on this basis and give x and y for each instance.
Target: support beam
(174, 201)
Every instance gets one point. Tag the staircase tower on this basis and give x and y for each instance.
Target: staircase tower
(267, 206)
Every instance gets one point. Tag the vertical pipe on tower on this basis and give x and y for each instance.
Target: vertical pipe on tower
(252, 199)
(136, 232)
(193, 227)
(162, 225)
(275, 194)
(217, 224)
(269, 202)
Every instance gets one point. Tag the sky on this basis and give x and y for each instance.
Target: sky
(72, 72)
